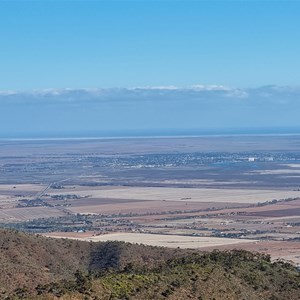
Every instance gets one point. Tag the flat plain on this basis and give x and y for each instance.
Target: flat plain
(189, 192)
(171, 241)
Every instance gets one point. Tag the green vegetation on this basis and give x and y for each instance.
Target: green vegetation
(116, 270)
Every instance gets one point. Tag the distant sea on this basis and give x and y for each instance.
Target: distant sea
(150, 134)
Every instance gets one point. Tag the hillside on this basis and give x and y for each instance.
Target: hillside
(29, 260)
(34, 267)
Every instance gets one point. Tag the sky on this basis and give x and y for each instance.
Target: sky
(118, 46)
(100, 44)
(155, 111)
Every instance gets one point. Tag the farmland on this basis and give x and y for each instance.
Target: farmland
(172, 241)
(205, 192)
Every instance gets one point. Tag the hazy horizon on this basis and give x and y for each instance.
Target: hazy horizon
(149, 111)
(143, 68)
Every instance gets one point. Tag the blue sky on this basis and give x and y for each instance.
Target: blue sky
(100, 44)
(89, 68)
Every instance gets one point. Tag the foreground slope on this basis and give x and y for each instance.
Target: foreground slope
(28, 260)
(34, 267)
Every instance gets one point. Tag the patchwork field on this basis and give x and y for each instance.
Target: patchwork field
(145, 207)
(11, 193)
(289, 251)
(145, 200)
(196, 192)
(187, 194)
(172, 241)
(12, 215)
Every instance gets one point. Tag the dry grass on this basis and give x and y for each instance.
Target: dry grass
(21, 187)
(171, 241)
(142, 207)
(277, 249)
(187, 194)
(28, 213)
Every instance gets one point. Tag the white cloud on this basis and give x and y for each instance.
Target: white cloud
(168, 88)
(7, 93)
(275, 94)
(213, 87)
